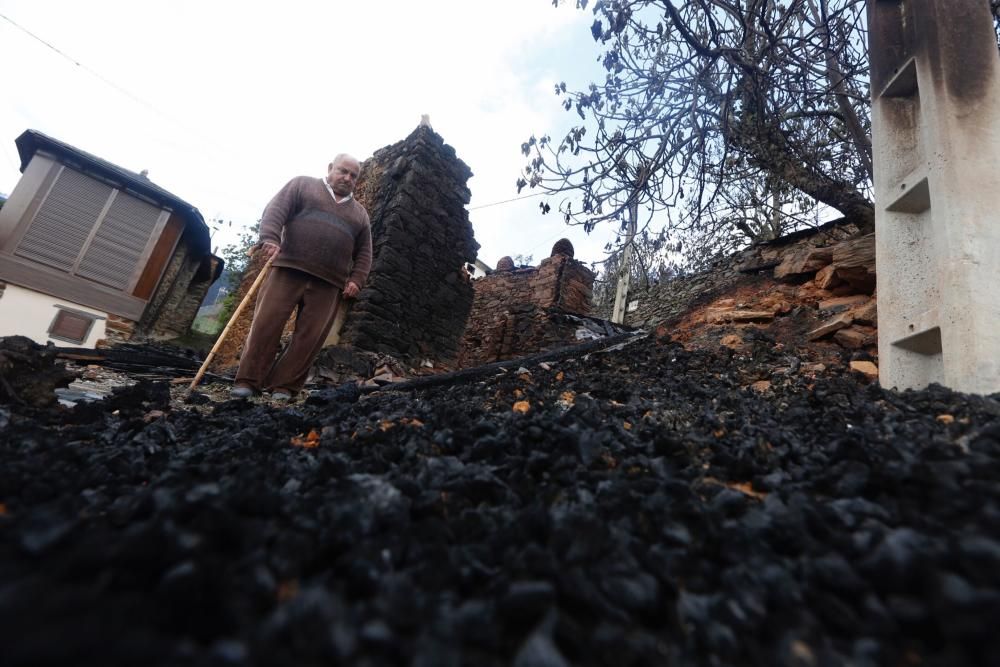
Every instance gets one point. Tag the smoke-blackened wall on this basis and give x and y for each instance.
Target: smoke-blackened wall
(418, 293)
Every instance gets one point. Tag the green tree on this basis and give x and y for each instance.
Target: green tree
(237, 257)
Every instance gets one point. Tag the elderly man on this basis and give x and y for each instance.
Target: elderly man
(320, 239)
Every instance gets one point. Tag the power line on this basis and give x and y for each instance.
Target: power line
(507, 201)
(206, 139)
(10, 160)
(153, 108)
(76, 62)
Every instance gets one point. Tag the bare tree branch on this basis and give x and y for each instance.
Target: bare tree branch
(724, 104)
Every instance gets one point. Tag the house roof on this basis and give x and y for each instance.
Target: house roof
(32, 141)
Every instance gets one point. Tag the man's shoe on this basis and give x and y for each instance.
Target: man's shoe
(281, 395)
(241, 391)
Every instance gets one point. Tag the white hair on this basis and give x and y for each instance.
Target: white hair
(344, 156)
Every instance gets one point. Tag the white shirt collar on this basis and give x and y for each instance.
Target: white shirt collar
(334, 194)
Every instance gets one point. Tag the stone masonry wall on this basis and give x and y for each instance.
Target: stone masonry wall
(116, 330)
(672, 299)
(795, 257)
(173, 306)
(517, 311)
(418, 295)
(182, 305)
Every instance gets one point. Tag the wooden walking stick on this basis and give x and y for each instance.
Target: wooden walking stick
(232, 320)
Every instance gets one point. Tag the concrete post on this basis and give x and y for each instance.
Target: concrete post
(625, 270)
(935, 77)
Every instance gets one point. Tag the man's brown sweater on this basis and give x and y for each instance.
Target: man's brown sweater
(317, 235)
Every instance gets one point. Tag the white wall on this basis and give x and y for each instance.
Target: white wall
(24, 312)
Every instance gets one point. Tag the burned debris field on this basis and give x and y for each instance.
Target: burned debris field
(635, 506)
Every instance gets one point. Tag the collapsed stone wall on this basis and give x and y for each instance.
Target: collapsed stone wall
(795, 257)
(418, 295)
(671, 299)
(519, 311)
(826, 276)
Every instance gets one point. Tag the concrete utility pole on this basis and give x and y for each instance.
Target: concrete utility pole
(621, 293)
(935, 78)
(624, 271)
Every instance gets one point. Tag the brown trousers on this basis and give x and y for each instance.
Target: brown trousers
(316, 303)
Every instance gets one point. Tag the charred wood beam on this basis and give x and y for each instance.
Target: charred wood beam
(487, 370)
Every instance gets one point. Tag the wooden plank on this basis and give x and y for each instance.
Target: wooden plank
(162, 252)
(61, 285)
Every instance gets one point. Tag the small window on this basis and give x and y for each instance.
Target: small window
(71, 326)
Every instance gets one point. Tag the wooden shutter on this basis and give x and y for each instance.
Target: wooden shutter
(71, 326)
(120, 241)
(60, 228)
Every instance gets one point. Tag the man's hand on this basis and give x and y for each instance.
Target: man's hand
(351, 290)
(269, 250)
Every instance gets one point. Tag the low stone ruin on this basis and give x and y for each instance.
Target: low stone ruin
(827, 262)
(831, 269)
(518, 311)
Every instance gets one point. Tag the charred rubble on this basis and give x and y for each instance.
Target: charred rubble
(632, 506)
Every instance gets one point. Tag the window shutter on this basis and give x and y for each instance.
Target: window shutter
(119, 243)
(62, 224)
(71, 326)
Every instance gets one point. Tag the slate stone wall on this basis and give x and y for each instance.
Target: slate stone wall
(186, 297)
(174, 304)
(672, 299)
(418, 295)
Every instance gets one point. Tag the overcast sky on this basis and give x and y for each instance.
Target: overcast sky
(224, 101)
